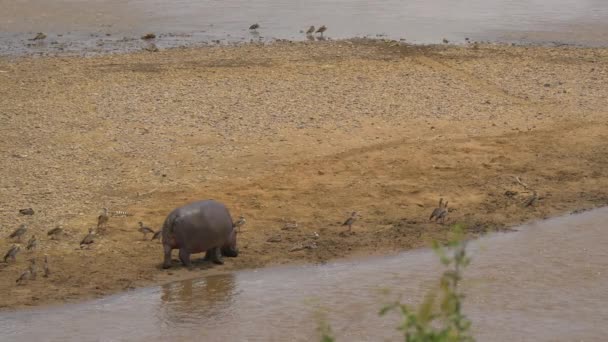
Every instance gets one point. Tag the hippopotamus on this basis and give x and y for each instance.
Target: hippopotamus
(202, 226)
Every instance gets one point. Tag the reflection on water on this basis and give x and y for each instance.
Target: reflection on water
(546, 282)
(112, 25)
(184, 303)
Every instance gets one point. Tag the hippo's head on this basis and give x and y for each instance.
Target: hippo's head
(230, 249)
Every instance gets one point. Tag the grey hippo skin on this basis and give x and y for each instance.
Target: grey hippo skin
(203, 226)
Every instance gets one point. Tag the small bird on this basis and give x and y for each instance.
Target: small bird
(32, 243)
(530, 200)
(441, 212)
(322, 29)
(311, 30)
(47, 270)
(102, 220)
(89, 239)
(19, 232)
(437, 211)
(157, 235)
(12, 253)
(55, 232)
(445, 41)
(254, 27)
(24, 277)
(238, 224)
(350, 221)
(444, 213)
(144, 230)
(32, 269)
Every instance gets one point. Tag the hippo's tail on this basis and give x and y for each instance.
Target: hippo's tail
(168, 225)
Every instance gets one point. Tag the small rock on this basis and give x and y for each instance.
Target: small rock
(151, 48)
(547, 85)
(27, 211)
(273, 239)
(320, 173)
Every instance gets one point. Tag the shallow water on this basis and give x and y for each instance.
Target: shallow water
(546, 282)
(87, 26)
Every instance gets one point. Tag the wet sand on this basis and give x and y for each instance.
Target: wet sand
(302, 132)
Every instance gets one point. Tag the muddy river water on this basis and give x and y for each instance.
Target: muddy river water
(546, 282)
(87, 26)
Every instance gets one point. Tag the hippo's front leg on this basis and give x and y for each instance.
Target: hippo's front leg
(184, 256)
(214, 255)
(167, 261)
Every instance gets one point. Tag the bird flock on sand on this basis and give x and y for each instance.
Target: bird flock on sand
(439, 215)
(56, 233)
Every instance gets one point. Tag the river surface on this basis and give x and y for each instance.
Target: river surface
(100, 26)
(546, 282)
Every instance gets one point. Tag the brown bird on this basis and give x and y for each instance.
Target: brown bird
(26, 275)
(55, 232)
(441, 212)
(254, 27)
(437, 211)
(32, 243)
(322, 29)
(157, 235)
(32, 269)
(238, 224)
(311, 30)
(47, 270)
(12, 253)
(144, 230)
(102, 220)
(444, 213)
(19, 232)
(350, 221)
(89, 239)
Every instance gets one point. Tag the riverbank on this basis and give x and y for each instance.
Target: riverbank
(303, 132)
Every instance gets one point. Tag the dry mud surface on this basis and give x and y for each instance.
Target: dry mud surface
(303, 132)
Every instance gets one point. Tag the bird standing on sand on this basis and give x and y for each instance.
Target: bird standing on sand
(55, 232)
(144, 230)
(322, 29)
(254, 27)
(437, 211)
(241, 222)
(47, 270)
(19, 232)
(102, 220)
(441, 212)
(444, 213)
(24, 276)
(89, 239)
(350, 221)
(32, 269)
(12, 253)
(311, 30)
(32, 243)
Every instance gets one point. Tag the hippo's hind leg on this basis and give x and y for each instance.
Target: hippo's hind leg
(184, 256)
(167, 261)
(214, 255)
